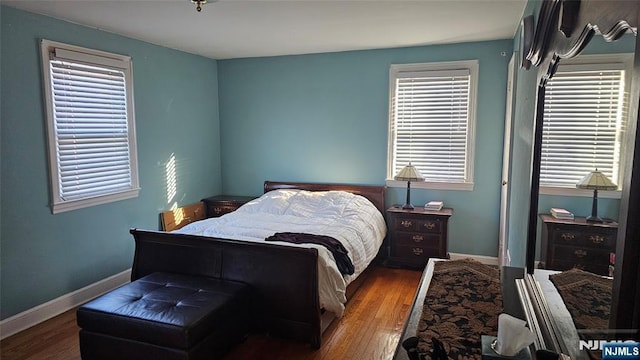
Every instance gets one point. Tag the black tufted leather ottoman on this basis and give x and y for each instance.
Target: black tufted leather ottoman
(165, 316)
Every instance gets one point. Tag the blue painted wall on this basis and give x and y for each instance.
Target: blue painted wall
(324, 118)
(44, 256)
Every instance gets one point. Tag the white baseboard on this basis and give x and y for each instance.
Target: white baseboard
(46, 311)
(487, 260)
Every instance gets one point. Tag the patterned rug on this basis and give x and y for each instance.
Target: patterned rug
(463, 302)
(587, 297)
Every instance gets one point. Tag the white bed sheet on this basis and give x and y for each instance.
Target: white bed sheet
(351, 219)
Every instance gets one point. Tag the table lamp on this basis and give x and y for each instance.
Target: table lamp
(408, 173)
(595, 181)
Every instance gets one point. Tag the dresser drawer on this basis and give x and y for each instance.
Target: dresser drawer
(417, 224)
(417, 239)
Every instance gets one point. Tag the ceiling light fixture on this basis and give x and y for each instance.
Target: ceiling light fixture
(199, 4)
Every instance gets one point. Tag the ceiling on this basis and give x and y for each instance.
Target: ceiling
(252, 28)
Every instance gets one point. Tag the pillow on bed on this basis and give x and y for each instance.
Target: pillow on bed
(303, 203)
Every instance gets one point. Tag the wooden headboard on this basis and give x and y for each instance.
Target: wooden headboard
(175, 219)
(375, 194)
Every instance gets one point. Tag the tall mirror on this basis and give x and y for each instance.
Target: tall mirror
(571, 311)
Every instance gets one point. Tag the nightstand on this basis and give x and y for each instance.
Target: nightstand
(417, 235)
(567, 244)
(222, 204)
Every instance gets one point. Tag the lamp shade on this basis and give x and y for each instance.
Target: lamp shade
(596, 180)
(409, 173)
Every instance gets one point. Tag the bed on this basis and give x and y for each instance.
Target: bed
(294, 285)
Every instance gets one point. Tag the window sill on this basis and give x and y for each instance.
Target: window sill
(60, 207)
(566, 191)
(432, 185)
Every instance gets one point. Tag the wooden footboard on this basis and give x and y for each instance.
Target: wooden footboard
(284, 279)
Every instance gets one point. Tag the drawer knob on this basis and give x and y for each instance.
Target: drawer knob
(430, 225)
(596, 239)
(580, 253)
(418, 238)
(568, 236)
(217, 210)
(417, 251)
(406, 223)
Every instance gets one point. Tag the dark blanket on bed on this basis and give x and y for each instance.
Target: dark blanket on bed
(340, 254)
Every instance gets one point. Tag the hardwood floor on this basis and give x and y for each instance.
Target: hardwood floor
(370, 329)
(54, 339)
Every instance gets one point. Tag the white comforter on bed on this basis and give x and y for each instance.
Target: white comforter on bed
(351, 219)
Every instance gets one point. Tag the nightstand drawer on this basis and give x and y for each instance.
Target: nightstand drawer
(601, 269)
(223, 204)
(417, 254)
(572, 236)
(430, 225)
(417, 239)
(404, 224)
(600, 239)
(565, 235)
(581, 255)
(216, 210)
(416, 224)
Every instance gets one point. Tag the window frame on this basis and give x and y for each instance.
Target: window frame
(473, 67)
(617, 60)
(90, 57)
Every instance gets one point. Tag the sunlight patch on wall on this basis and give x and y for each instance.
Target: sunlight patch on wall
(178, 213)
(172, 183)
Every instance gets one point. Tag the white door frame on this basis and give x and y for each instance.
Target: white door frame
(503, 248)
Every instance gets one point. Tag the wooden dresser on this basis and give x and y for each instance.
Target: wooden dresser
(567, 244)
(417, 235)
(222, 204)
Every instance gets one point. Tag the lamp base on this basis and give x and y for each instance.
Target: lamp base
(407, 205)
(592, 218)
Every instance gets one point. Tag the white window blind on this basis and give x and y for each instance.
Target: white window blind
(430, 123)
(584, 118)
(92, 141)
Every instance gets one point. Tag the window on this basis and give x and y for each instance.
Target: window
(90, 124)
(431, 122)
(585, 117)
